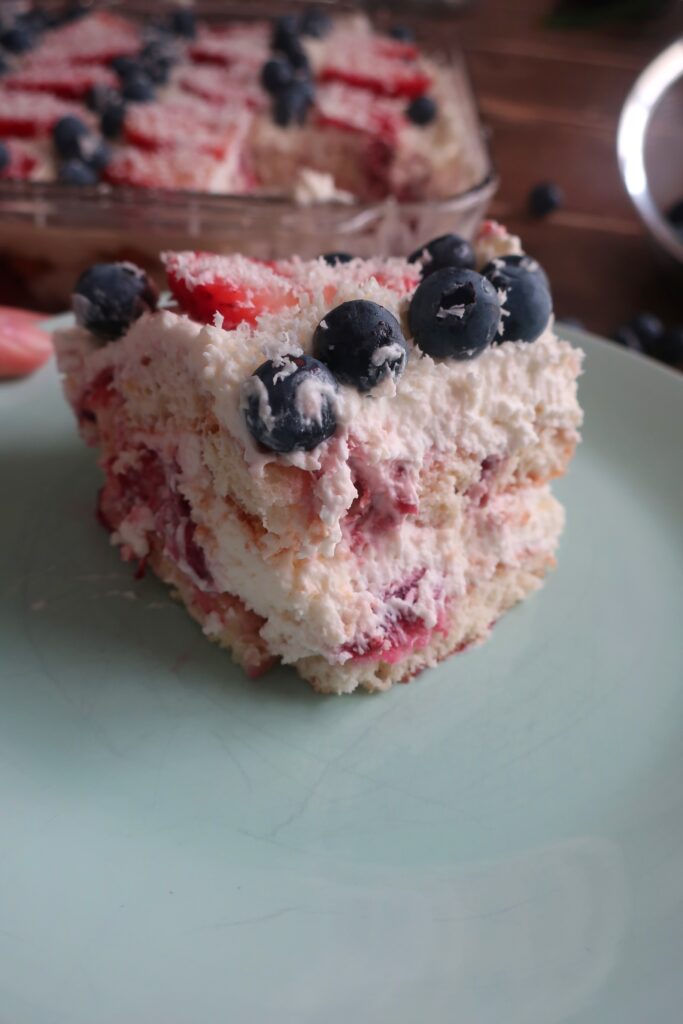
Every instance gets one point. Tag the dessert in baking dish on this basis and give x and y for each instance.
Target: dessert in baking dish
(306, 106)
(339, 464)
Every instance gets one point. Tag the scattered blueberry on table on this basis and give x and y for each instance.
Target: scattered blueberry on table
(544, 198)
(454, 313)
(108, 297)
(289, 404)
(361, 343)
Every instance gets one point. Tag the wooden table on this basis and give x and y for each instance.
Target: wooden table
(552, 98)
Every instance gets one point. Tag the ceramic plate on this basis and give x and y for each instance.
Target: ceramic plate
(499, 841)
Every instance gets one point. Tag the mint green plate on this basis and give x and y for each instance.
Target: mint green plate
(501, 842)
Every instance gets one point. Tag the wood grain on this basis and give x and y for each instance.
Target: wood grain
(551, 99)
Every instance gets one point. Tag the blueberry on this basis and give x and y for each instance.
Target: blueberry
(111, 121)
(69, 135)
(627, 337)
(109, 296)
(668, 347)
(422, 111)
(402, 33)
(5, 156)
(124, 66)
(156, 60)
(285, 32)
(335, 258)
(17, 39)
(276, 74)
(4, 66)
(35, 20)
(544, 198)
(76, 172)
(444, 251)
(648, 327)
(97, 156)
(315, 23)
(361, 343)
(524, 294)
(454, 312)
(72, 12)
(183, 23)
(98, 97)
(290, 404)
(291, 104)
(137, 87)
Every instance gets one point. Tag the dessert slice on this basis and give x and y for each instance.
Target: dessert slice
(339, 464)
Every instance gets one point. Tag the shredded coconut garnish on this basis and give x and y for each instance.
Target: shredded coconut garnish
(253, 387)
(218, 319)
(388, 354)
(458, 311)
(311, 398)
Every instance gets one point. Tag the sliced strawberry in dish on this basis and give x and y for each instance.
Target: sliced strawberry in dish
(241, 44)
(60, 78)
(351, 109)
(180, 124)
(231, 88)
(95, 39)
(237, 288)
(362, 64)
(24, 346)
(33, 114)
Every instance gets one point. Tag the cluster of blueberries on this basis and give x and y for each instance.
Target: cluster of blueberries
(82, 155)
(455, 313)
(287, 77)
(21, 32)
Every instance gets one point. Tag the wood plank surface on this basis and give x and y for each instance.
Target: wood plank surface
(551, 99)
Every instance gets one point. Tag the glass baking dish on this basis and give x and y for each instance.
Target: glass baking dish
(49, 231)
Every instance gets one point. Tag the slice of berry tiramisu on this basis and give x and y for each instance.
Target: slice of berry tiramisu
(339, 464)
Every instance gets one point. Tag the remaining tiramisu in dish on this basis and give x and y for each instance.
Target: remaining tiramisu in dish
(308, 106)
(340, 464)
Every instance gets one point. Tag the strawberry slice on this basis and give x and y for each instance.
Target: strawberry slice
(351, 109)
(169, 169)
(184, 124)
(232, 87)
(95, 39)
(362, 62)
(22, 161)
(240, 44)
(32, 114)
(238, 288)
(59, 78)
(23, 345)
